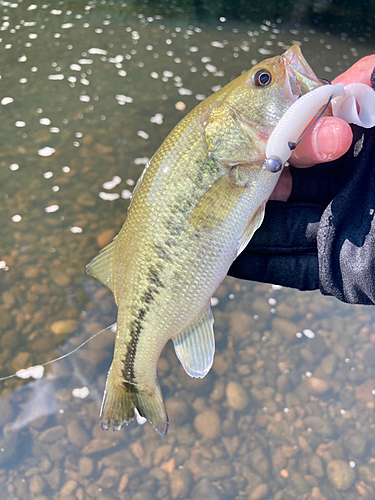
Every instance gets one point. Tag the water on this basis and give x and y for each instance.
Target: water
(88, 93)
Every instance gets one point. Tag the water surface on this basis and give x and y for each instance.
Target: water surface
(88, 92)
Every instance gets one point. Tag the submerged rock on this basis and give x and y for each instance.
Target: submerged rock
(177, 411)
(259, 492)
(180, 482)
(64, 326)
(207, 423)
(237, 397)
(340, 474)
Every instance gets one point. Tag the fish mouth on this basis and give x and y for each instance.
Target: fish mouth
(300, 76)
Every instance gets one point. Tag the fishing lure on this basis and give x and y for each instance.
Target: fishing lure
(354, 103)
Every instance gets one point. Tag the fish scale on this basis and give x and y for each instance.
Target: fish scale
(196, 206)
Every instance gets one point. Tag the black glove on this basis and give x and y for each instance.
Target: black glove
(324, 235)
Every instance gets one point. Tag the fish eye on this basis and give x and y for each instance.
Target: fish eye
(262, 78)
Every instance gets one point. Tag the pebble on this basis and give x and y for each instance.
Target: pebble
(169, 466)
(285, 311)
(36, 485)
(316, 385)
(162, 453)
(363, 392)
(54, 478)
(328, 364)
(177, 411)
(207, 423)
(316, 466)
(240, 324)
(77, 434)
(52, 434)
(286, 328)
(68, 488)
(355, 443)
(109, 478)
(22, 360)
(219, 469)
(204, 490)
(137, 450)
(218, 391)
(260, 462)
(220, 365)
(123, 483)
(261, 306)
(105, 238)
(180, 482)
(340, 474)
(61, 278)
(64, 326)
(143, 495)
(85, 466)
(367, 473)
(97, 445)
(259, 492)
(237, 397)
(319, 425)
(278, 459)
(8, 299)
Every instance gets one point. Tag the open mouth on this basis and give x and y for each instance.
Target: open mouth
(302, 79)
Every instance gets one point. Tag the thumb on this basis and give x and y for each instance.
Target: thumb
(328, 140)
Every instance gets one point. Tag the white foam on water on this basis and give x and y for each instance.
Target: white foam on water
(81, 392)
(31, 372)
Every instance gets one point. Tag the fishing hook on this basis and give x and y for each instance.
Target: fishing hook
(293, 145)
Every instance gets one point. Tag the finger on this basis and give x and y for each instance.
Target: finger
(360, 72)
(328, 140)
(283, 187)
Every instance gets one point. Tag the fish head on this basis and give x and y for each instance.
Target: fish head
(272, 86)
(256, 102)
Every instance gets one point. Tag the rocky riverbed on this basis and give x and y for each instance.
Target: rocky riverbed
(287, 411)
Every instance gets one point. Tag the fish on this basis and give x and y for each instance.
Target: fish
(194, 209)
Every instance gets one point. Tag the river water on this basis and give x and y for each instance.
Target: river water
(88, 91)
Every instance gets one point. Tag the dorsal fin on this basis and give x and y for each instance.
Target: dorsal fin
(101, 266)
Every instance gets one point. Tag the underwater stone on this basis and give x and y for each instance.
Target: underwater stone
(340, 474)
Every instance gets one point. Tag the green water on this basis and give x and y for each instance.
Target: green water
(88, 92)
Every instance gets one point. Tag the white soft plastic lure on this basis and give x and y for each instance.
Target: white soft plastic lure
(299, 115)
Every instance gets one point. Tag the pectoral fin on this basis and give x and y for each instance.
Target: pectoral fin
(217, 203)
(250, 228)
(101, 266)
(195, 346)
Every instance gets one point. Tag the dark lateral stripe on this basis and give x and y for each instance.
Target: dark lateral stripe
(137, 325)
(131, 387)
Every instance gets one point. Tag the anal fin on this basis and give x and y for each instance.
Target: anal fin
(101, 266)
(195, 347)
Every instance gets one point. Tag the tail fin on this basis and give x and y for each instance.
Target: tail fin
(120, 399)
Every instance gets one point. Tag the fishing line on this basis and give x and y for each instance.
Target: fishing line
(293, 145)
(24, 370)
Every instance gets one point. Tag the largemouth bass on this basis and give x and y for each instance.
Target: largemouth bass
(194, 209)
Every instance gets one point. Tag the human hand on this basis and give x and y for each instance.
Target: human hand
(330, 138)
